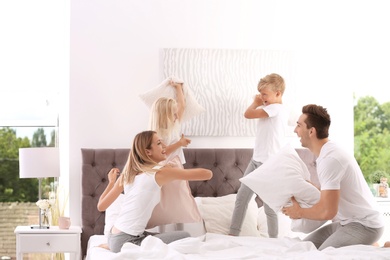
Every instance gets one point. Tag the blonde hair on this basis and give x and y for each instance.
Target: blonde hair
(162, 117)
(138, 160)
(274, 81)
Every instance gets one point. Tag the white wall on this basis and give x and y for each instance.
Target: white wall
(115, 56)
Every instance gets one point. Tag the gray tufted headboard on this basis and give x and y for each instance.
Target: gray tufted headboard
(228, 165)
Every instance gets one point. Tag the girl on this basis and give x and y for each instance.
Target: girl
(141, 181)
(177, 204)
(165, 119)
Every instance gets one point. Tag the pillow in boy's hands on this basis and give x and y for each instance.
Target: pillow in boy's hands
(281, 177)
(164, 89)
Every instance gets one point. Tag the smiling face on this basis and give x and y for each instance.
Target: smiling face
(302, 132)
(157, 149)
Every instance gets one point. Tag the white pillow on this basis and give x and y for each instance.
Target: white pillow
(164, 89)
(281, 177)
(217, 215)
(112, 213)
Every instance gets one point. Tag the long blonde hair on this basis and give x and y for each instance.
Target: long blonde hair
(162, 117)
(139, 161)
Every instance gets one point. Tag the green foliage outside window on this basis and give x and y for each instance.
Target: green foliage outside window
(12, 188)
(372, 137)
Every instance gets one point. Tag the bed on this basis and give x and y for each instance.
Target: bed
(215, 199)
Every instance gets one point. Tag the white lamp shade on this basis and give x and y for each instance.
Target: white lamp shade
(39, 162)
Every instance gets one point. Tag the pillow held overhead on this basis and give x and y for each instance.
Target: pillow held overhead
(164, 89)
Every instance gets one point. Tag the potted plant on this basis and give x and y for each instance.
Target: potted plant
(375, 178)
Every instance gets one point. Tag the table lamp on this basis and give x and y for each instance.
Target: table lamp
(39, 162)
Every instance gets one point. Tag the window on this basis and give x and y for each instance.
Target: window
(29, 120)
(372, 137)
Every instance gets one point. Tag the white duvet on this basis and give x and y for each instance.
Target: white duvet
(216, 246)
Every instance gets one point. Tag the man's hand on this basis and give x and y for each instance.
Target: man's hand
(294, 212)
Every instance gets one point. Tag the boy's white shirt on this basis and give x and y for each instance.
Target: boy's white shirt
(270, 132)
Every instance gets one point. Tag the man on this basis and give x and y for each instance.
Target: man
(345, 196)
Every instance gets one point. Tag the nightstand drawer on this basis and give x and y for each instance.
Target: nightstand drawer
(384, 208)
(53, 243)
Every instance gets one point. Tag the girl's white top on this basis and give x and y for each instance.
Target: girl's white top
(173, 138)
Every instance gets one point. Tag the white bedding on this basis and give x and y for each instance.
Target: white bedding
(202, 245)
(217, 246)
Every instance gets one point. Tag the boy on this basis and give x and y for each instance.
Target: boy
(272, 118)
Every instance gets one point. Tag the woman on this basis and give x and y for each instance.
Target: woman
(141, 181)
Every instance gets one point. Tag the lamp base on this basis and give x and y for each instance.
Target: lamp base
(39, 227)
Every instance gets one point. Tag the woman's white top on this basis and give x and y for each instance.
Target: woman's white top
(140, 198)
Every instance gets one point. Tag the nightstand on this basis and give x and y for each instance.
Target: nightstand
(52, 240)
(384, 207)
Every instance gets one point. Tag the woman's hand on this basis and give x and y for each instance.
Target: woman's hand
(113, 174)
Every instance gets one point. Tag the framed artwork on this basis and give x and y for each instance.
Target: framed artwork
(224, 82)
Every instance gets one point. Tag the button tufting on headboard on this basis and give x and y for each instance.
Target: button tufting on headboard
(228, 166)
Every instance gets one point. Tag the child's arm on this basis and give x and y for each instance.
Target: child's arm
(112, 191)
(168, 174)
(253, 111)
(181, 104)
(183, 141)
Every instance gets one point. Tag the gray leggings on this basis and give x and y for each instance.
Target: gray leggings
(116, 241)
(336, 235)
(244, 195)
